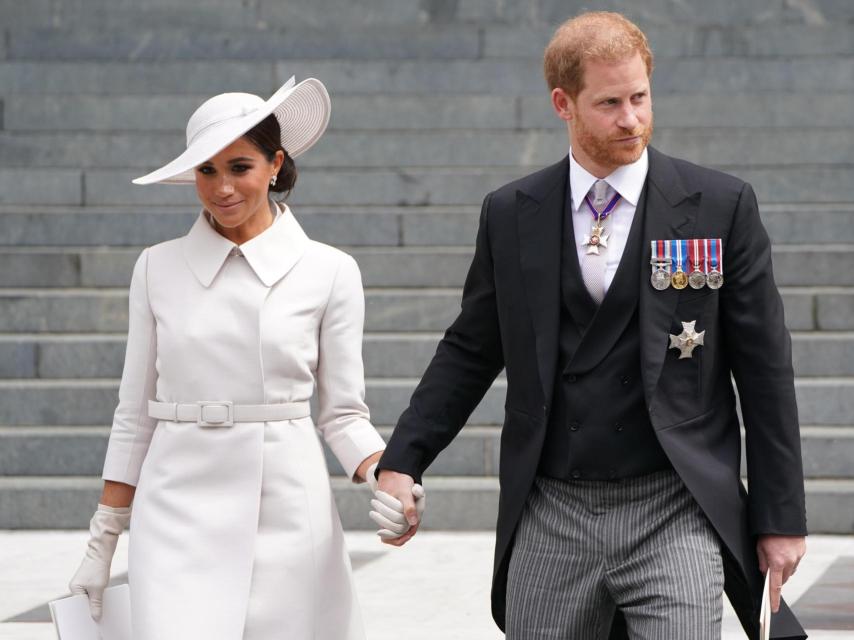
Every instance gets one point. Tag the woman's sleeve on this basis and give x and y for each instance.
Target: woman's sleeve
(132, 428)
(344, 420)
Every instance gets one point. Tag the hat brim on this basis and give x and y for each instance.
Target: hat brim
(302, 111)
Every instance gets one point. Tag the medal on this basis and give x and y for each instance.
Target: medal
(697, 277)
(598, 238)
(660, 261)
(688, 340)
(679, 280)
(715, 278)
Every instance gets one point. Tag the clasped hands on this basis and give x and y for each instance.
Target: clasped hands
(397, 506)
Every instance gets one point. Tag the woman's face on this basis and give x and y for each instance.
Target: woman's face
(233, 185)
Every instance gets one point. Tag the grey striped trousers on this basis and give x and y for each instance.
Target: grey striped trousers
(586, 548)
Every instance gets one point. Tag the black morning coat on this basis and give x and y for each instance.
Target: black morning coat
(509, 319)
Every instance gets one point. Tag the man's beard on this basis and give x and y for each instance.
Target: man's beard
(604, 151)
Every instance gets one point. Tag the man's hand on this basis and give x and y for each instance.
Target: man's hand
(399, 486)
(780, 555)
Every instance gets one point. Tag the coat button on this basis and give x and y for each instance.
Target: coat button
(624, 380)
(576, 474)
(572, 378)
(574, 426)
(618, 427)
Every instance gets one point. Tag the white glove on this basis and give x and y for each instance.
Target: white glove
(371, 477)
(388, 512)
(93, 576)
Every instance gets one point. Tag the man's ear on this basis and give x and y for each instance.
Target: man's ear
(563, 105)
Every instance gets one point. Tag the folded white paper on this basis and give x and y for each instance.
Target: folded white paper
(765, 609)
(74, 622)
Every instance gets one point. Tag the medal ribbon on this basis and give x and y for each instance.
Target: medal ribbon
(694, 249)
(715, 255)
(659, 251)
(606, 211)
(678, 255)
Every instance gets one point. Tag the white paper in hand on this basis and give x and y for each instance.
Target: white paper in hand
(765, 609)
(74, 622)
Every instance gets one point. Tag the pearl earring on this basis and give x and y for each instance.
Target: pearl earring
(273, 181)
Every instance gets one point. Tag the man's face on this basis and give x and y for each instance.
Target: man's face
(611, 118)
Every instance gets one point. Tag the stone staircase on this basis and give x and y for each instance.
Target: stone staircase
(435, 103)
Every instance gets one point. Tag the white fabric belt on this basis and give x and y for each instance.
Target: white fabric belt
(216, 413)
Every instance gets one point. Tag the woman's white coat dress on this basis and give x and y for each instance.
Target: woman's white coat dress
(234, 531)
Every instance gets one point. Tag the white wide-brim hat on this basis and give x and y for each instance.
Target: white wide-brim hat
(301, 109)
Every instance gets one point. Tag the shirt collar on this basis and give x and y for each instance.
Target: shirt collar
(626, 180)
(271, 254)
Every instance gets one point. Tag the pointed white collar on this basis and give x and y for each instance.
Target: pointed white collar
(271, 254)
(627, 180)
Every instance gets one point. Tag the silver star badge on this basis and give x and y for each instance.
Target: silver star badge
(595, 240)
(688, 340)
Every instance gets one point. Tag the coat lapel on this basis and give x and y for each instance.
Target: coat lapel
(577, 299)
(540, 209)
(618, 307)
(671, 213)
(271, 254)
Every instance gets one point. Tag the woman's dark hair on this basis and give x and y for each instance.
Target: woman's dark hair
(266, 136)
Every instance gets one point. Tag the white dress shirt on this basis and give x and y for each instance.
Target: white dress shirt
(628, 181)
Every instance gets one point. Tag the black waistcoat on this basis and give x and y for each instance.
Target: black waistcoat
(599, 427)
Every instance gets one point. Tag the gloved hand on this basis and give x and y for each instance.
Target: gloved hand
(388, 512)
(371, 477)
(93, 576)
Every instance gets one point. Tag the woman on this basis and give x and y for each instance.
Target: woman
(235, 531)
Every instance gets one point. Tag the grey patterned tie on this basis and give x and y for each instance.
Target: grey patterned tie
(593, 264)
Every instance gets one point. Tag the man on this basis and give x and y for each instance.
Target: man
(621, 508)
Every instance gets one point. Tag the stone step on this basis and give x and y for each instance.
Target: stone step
(259, 45)
(372, 186)
(678, 40)
(105, 310)
(220, 14)
(25, 356)
(92, 401)
(351, 225)
(151, 113)
(511, 76)
(386, 355)
(408, 41)
(778, 147)
(794, 265)
(455, 503)
(825, 401)
(80, 450)
(169, 113)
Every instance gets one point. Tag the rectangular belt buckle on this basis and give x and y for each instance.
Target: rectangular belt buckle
(216, 414)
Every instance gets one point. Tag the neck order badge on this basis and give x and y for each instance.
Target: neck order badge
(598, 238)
